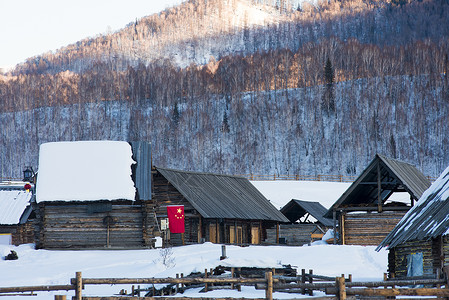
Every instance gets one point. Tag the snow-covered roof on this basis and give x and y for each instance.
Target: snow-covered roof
(12, 205)
(429, 218)
(85, 171)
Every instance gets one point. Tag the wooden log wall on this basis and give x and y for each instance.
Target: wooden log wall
(295, 234)
(164, 193)
(402, 251)
(196, 227)
(21, 233)
(368, 228)
(74, 225)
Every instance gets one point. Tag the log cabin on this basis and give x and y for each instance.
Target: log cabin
(16, 215)
(419, 244)
(306, 223)
(218, 208)
(91, 195)
(106, 194)
(367, 211)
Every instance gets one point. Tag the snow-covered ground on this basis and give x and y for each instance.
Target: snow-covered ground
(280, 192)
(46, 267)
(49, 267)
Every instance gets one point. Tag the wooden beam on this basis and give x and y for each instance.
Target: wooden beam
(334, 217)
(399, 292)
(277, 232)
(373, 208)
(269, 290)
(200, 231)
(379, 187)
(79, 286)
(341, 288)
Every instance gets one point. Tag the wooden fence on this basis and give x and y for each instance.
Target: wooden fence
(338, 288)
(297, 177)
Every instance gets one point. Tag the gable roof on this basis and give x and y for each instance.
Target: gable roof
(395, 176)
(14, 203)
(222, 196)
(428, 219)
(295, 209)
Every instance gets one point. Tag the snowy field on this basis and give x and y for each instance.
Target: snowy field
(45, 267)
(280, 192)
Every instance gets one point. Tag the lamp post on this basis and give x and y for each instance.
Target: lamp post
(28, 174)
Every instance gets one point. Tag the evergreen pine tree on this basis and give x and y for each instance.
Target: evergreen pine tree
(176, 114)
(225, 124)
(328, 101)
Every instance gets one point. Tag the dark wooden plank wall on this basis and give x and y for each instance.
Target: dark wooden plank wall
(21, 233)
(71, 225)
(402, 251)
(445, 249)
(164, 193)
(295, 234)
(368, 228)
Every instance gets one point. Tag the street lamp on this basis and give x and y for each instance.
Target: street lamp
(28, 174)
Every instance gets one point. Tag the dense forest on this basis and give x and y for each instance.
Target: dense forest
(246, 87)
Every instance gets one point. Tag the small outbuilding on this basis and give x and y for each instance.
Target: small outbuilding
(86, 196)
(366, 212)
(306, 223)
(419, 244)
(218, 208)
(16, 215)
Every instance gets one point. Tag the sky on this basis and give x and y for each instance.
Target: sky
(29, 28)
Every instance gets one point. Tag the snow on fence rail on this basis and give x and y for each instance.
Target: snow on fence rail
(339, 288)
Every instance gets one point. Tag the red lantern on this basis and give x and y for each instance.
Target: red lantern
(27, 187)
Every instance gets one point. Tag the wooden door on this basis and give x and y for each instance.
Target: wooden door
(232, 234)
(255, 238)
(212, 233)
(239, 235)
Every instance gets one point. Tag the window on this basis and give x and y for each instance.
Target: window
(415, 264)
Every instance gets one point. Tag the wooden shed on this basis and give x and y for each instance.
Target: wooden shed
(218, 208)
(419, 244)
(365, 212)
(16, 214)
(91, 195)
(307, 223)
(105, 194)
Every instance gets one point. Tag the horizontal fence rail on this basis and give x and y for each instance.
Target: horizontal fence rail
(338, 288)
(298, 177)
(262, 177)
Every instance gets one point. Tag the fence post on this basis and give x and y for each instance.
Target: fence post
(310, 281)
(341, 288)
(60, 297)
(78, 286)
(205, 284)
(269, 290)
(303, 280)
(232, 276)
